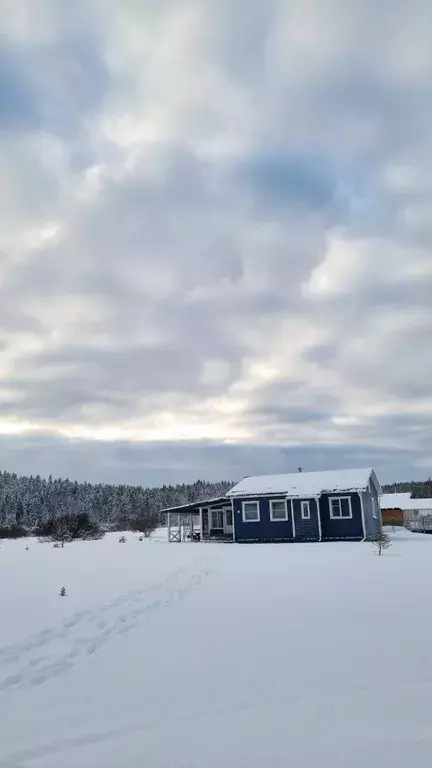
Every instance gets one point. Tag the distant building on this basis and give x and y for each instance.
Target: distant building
(304, 506)
(418, 515)
(402, 509)
(393, 506)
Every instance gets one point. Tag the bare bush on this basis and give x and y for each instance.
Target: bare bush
(145, 524)
(380, 541)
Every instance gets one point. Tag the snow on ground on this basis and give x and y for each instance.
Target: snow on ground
(215, 655)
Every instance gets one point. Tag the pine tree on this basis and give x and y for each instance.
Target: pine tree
(32, 501)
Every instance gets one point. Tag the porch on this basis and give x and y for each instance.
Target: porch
(210, 520)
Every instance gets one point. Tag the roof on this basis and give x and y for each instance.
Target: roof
(394, 500)
(195, 506)
(303, 484)
(419, 504)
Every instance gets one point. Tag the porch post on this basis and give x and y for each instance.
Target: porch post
(293, 525)
(201, 524)
(360, 495)
(169, 525)
(233, 518)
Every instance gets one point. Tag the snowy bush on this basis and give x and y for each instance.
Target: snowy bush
(63, 592)
(12, 532)
(69, 528)
(122, 540)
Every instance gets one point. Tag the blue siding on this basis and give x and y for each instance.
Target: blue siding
(265, 529)
(306, 530)
(344, 528)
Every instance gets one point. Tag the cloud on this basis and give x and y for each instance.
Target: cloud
(215, 236)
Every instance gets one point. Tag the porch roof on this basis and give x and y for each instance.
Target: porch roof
(195, 506)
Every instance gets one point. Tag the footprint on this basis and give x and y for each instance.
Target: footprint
(10, 682)
(91, 649)
(35, 662)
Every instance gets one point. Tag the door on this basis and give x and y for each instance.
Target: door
(217, 518)
(228, 520)
(205, 522)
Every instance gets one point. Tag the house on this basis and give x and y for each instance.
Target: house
(305, 506)
(393, 506)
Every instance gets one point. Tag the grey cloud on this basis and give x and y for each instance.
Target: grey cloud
(277, 180)
(274, 414)
(61, 80)
(153, 464)
(197, 242)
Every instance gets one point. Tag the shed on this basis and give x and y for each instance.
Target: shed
(393, 506)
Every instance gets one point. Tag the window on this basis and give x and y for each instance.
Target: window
(251, 512)
(374, 508)
(305, 510)
(278, 510)
(340, 507)
(228, 517)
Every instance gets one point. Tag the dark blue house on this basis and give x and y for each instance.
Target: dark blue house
(305, 506)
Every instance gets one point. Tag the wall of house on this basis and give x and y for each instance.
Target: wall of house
(372, 524)
(343, 528)
(265, 529)
(306, 530)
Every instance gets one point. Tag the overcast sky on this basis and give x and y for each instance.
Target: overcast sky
(215, 237)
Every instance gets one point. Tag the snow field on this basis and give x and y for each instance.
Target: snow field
(210, 655)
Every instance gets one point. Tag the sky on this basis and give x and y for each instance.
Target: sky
(215, 238)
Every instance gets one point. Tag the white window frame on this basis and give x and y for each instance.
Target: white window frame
(278, 519)
(340, 499)
(305, 504)
(374, 508)
(257, 505)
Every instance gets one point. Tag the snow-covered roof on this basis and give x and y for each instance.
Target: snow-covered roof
(418, 504)
(394, 500)
(304, 484)
(194, 506)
